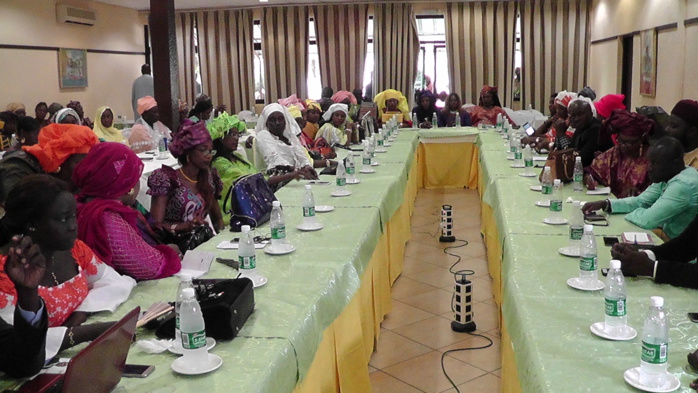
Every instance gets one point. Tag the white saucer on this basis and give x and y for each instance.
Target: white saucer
(632, 377)
(281, 249)
(560, 221)
(510, 156)
(356, 181)
(598, 329)
(257, 279)
(178, 350)
(309, 228)
(324, 208)
(576, 284)
(543, 203)
(517, 165)
(569, 251)
(367, 171)
(214, 361)
(375, 163)
(524, 174)
(386, 144)
(381, 151)
(340, 193)
(536, 188)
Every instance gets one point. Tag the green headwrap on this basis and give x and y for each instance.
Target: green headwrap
(220, 126)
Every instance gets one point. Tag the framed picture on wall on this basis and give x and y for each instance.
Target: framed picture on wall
(72, 68)
(648, 62)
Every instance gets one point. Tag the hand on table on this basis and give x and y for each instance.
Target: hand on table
(425, 124)
(593, 206)
(633, 262)
(309, 173)
(589, 182)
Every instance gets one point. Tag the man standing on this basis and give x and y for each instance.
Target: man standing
(142, 87)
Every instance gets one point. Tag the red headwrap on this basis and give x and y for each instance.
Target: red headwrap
(57, 142)
(190, 135)
(608, 103)
(487, 89)
(687, 110)
(623, 122)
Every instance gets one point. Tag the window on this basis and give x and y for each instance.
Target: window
(368, 63)
(198, 84)
(432, 67)
(258, 63)
(517, 60)
(314, 80)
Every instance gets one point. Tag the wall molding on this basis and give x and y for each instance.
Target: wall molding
(691, 22)
(55, 49)
(660, 28)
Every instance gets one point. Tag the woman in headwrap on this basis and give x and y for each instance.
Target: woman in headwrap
(40, 112)
(183, 198)
(425, 109)
(109, 180)
(453, 112)
(60, 148)
(607, 104)
(67, 116)
(104, 126)
(312, 115)
(347, 98)
(545, 136)
(277, 142)
(391, 102)
(147, 130)
(18, 108)
(77, 107)
(202, 109)
(623, 167)
(335, 130)
(488, 107)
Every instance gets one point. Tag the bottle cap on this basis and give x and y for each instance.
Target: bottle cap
(245, 228)
(615, 264)
(557, 182)
(276, 204)
(185, 277)
(588, 228)
(308, 186)
(546, 169)
(657, 301)
(188, 293)
(578, 159)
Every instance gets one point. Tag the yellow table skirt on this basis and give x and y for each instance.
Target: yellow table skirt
(510, 376)
(448, 165)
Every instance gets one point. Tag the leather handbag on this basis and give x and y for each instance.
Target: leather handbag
(561, 163)
(250, 202)
(185, 240)
(226, 304)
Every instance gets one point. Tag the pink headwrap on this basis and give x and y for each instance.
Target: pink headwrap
(108, 171)
(146, 103)
(609, 102)
(190, 135)
(342, 95)
(292, 100)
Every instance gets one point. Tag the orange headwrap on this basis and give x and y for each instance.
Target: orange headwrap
(146, 103)
(57, 142)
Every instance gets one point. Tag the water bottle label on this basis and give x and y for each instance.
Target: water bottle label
(528, 163)
(350, 170)
(615, 308)
(380, 142)
(278, 233)
(309, 211)
(547, 189)
(341, 181)
(367, 161)
(517, 155)
(194, 340)
(588, 264)
(512, 149)
(654, 353)
(578, 177)
(576, 233)
(247, 262)
(555, 206)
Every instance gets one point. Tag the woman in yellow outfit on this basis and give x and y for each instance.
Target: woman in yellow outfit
(392, 102)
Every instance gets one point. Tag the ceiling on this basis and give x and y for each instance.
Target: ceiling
(199, 4)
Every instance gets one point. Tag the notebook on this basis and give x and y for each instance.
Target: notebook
(98, 366)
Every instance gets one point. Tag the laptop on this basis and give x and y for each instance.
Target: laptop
(97, 368)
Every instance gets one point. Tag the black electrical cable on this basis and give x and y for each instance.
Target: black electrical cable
(443, 355)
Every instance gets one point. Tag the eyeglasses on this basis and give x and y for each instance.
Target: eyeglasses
(206, 152)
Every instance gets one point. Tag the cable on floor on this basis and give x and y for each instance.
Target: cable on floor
(443, 355)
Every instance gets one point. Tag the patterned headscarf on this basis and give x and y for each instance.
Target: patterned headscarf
(386, 95)
(687, 110)
(623, 122)
(486, 89)
(608, 104)
(565, 97)
(341, 95)
(57, 142)
(146, 103)
(190, 135)
(219, 127)
(61, 114)
(108, 171)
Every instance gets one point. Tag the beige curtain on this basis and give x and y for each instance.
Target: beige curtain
(480, 42)
(186, 27)
(341, 41)
(555, 45)
(396, 48)
(285, 48)
(226, 51)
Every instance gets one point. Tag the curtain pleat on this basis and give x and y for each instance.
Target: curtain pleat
(341, 41)
(185, 26)
(396, 48)
(554, 44)
(285, 48)
(480, 41)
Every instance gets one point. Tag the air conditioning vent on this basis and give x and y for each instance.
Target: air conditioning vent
(69, 14)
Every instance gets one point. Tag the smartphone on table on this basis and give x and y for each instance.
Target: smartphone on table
(137, 370)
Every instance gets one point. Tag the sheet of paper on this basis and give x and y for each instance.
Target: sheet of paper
(600, 191)
(638, 237)
(196, 263)
(228, 245)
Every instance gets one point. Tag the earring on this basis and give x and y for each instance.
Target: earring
(22, 140)
(133, 191)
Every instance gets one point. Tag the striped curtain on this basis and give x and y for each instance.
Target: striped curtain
(396, 48)
(285, 47)
(555, 47)
(480, 42)
(226, 51)
(186, 49)
(341, 41)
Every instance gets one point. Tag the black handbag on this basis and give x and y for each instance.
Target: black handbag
(250, 202)
(186, 240)
(225, 303)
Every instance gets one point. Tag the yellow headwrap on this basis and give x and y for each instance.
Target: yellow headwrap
(108, 134)
(312, 104)
(385, 95)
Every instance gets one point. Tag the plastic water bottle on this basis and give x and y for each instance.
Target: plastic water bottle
(655, 346)
(308, 207)
(162, 148)
(528, 160)
(246, 252)
(414, 120)
(434, 121)
(556, 202)
(578, 174)
(366, 158)
(341, 180)
(379, 137)
(576, 225)
(185, 282)
(350, 168)
(518, 154)
(588, 265)
(278, 225)
(193, 331)
(457, 121)
(546, 183)
(500, 121)
(372, 146)
(614, 294)
(513, 146)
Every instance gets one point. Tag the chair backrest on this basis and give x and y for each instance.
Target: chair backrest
(257, 158)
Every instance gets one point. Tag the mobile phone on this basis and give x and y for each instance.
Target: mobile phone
(137, 370)
(319, 183)
(604, 271)
(594, 217)
(693, 316)
(528, 128)
(610, 240)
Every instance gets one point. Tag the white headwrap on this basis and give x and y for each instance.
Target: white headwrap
(292, 128)
(588, 101)
(334, 108)
(65, 112)
(565, 97)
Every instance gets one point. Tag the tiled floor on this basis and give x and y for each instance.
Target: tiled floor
(417, 331)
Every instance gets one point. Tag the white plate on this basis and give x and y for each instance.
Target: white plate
(632, 377)
(575, 283)
(569, 251)
(524, 174)
(559, 221)
(324, 208)
(316, 227)
(536, 188)
(281, 249)
(177, 350)
(257, 279)
(543, 203)
(214, 361)
(340, 193)
(517, 165)
(375, 163)
(367, 170)
(356, 181)
(386, 144)
(598, 329)
(381, 151)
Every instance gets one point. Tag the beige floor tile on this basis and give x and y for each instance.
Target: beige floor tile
(403, 315)
(393, 348)
(371, 369)
(472, 250)
(436, 302)
(487, 383)
(423, 221)
(434, 332)
(482, 288)
(425, 373)
(429, 254)
(436, 276)
(497, 372)
(488, 359)
(384, 383)
(486, 316)
(471, 234)
(412, 266)
(478, 265)
(406, 287)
